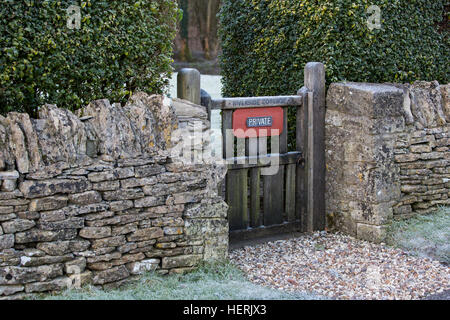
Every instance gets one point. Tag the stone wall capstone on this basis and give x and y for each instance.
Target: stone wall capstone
(105, 194)
(387, 154)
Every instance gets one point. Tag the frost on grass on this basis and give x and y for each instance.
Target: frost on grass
(216, 281)
(424, 235)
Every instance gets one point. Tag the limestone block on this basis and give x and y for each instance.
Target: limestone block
(121, 205)
(137, 182)
(421, 148)
(167, 221)
(6, 210)
(205, 227)
(445, 92)
(79, 280)
(373, 233)
(180, 261)
(150, 170)
(70, 223)
(9, 175)
(36, 189)
(21, 275)
(36, 235)
(49, 203)
(95, 232)
(377, 214)
(110, 175)
(63, 247)
(10, 195)
(128, 258)
(106, 185)
(111, 275)
(149, 202)
(145, 234)
(62, 136)
(104, 257)
(124, 194)
(108, 242)
(17, 225)
(10, 290)
(143, 266)
(127, 247)
(363, 99)
(7, 217)
(6, 241)
(84, 198)
(26, 261)
(14, 202)
(57, 284)
(124, 229)
(426, 103)
(173, 230)
(216, 248)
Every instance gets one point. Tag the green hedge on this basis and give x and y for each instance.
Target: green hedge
(122, 46)
(266, 43)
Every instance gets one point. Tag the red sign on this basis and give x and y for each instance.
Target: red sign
(258, 122)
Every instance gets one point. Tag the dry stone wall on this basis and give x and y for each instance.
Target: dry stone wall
(387, 154)
(105, 194)
(422, 150)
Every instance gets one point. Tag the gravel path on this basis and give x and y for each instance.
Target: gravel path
(341, 267)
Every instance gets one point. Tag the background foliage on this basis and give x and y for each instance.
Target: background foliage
(267, 43)
(122, 46)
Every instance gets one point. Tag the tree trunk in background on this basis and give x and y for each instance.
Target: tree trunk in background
(207, 35)
(185, 52)
(207, 23)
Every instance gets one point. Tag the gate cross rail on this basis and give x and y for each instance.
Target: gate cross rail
(256, 102)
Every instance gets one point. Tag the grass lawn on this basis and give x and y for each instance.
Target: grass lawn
(217, 281)
(424, 235)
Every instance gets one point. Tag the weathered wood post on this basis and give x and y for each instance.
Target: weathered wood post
(315, 146)
(188, 85)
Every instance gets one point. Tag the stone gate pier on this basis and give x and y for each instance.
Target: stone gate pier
(387, 154)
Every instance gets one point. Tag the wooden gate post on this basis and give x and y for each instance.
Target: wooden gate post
(315, 152)
(188, 85)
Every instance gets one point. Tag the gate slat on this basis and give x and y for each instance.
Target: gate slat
(300, 190)
(252, 147)
(227, 123)
(284, 134)
(227, 147)
(310, 166)
(273, 197)
(290, 192)
(236, 197)
(255, 198)
(240, 150)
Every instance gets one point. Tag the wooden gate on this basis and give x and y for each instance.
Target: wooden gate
(277, 191)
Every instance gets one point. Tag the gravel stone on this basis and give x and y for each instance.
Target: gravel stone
(342, 267)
